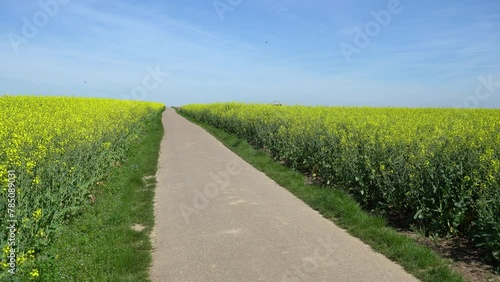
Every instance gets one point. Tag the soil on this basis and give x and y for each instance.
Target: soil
(466, 259)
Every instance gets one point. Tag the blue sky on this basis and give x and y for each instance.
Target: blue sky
(422, 53)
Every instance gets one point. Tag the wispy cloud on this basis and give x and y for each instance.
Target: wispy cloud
(431, 55)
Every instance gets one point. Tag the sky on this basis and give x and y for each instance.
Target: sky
(326, 52)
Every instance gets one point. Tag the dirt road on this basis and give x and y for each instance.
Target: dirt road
(219, 219)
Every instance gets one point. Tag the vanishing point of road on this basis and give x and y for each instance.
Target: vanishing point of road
(220, 219)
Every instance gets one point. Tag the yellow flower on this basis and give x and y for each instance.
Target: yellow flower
(34, 273)
(36, 181)
(20, 259)
(6, 249)
(30, 165)
(37, 214)
(40, 233)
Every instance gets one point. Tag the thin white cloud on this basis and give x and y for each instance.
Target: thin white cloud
(408, 64)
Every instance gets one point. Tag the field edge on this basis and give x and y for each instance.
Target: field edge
(111, 240)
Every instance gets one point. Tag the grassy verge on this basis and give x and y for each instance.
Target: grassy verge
(102, 244)
(342, 209)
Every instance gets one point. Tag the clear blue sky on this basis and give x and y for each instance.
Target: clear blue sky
(430, 53)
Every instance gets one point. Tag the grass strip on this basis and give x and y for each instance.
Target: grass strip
(101, 244)
(344, 211)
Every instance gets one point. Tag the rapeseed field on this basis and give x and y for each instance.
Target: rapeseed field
(53, 152)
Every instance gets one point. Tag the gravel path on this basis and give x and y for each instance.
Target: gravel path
(220, 219)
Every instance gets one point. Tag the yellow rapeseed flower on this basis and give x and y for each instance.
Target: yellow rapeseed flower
(37, 214)
(6, 249)
(34, 273)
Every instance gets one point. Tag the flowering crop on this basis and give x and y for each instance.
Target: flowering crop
(437, 168)
(56, 149)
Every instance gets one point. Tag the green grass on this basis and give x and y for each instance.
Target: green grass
(100, 244)
(342, 209)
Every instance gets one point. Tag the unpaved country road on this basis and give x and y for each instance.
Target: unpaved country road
(219, 219)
